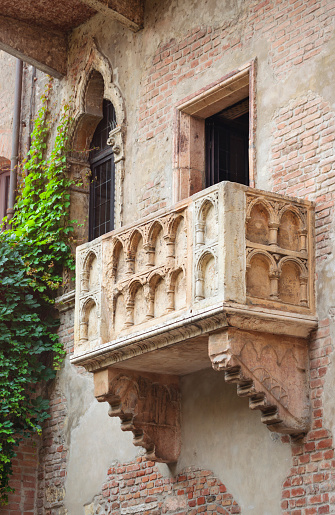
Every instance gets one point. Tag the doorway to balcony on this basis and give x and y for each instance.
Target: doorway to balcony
(215, 134)
(226, 143)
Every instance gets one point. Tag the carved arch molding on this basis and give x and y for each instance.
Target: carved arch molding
(93, 82)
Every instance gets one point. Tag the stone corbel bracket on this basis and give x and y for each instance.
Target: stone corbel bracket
(269, 369)
(148, 405)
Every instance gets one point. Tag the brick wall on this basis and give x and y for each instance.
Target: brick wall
(24, 480)
(152, 199)
(302, 165)
(138, 487)
(54, 450)
(310, 486)
(295, 31)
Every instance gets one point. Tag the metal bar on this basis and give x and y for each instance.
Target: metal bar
(32, 105)
(15, 139)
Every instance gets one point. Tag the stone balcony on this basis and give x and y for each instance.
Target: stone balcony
(225, 279)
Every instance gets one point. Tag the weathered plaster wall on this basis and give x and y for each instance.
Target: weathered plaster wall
(7, 79)
(94, 440)
(221, 434)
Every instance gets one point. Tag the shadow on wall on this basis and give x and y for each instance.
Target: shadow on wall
(221, 434)
(95, 440)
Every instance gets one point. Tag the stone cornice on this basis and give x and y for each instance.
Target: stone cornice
(65, 302)
(193, 324)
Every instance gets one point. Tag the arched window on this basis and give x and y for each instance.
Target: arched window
(103, 176)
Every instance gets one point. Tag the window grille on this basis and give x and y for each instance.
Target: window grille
(4, 191)
(103, 175)
(227, 141)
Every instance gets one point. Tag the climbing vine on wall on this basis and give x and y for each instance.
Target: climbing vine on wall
(33, 253)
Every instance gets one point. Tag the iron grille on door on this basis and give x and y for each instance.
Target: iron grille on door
(227, 141)
(103, 176)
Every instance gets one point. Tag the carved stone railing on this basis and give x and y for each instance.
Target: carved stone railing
(226, 278)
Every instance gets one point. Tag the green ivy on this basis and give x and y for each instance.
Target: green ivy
(33, 254)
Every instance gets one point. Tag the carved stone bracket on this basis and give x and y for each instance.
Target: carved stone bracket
(148, 405)
(269, 369)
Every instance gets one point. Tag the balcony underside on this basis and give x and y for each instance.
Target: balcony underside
(37, 31)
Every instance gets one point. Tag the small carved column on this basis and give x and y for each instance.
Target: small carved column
(303, 240)
(116, 141)
(170, 299)
(273, 230)
(83, 332)
(303, 290)
(274, 278)
(84, 279)
(130, 261)
(200, 232)
(150, 254)
(150, 299)
(129, 311)
(148, 405)
(199, 286)
(170, 250)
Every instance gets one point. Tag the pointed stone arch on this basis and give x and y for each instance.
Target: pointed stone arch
(93, 83)
(95, 61)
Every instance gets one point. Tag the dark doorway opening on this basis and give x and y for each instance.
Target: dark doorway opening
(227, 143)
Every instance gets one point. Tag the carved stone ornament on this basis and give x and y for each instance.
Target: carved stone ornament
(206, 246)
(271, 370)
(116, 141)
(278, 236)
(148, 405)
(88, 308)
(145, 269)
(231, 268)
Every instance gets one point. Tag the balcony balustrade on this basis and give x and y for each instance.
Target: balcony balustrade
(224, 278)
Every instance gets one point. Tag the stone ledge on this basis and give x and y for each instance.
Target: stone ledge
(65, 302)
(195, 324)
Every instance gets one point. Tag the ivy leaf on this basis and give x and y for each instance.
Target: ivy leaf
(33, 254)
